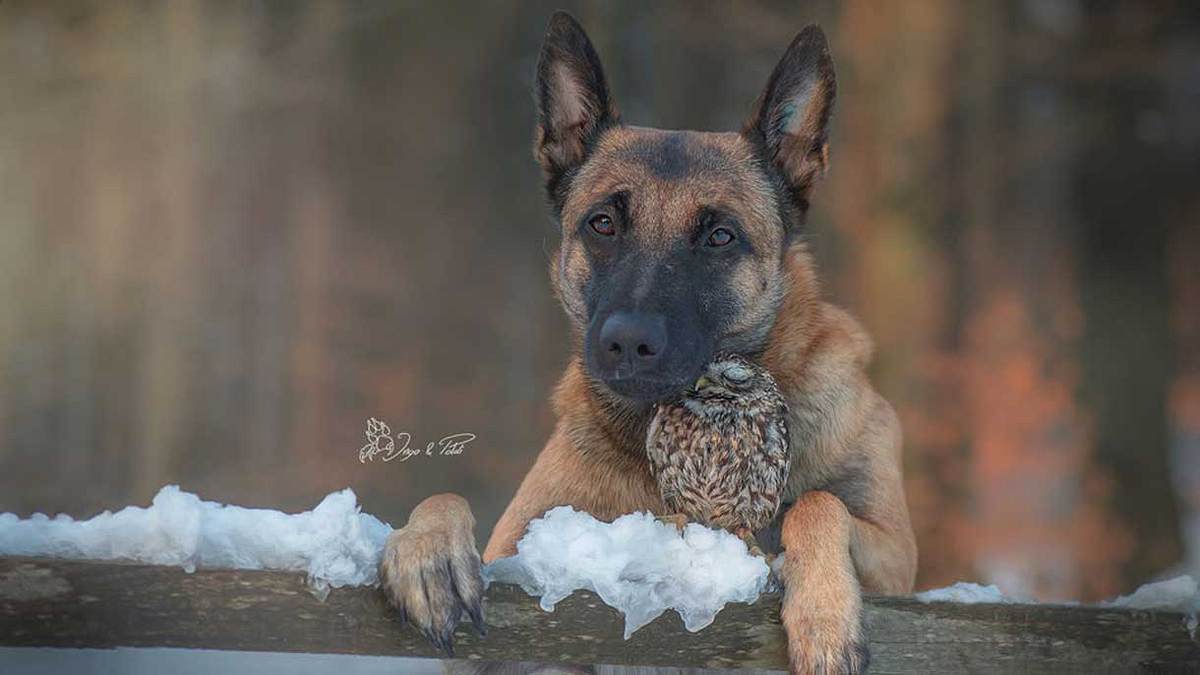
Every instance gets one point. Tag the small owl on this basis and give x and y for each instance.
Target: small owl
(720, 453)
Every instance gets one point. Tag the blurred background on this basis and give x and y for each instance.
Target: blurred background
(232, 232)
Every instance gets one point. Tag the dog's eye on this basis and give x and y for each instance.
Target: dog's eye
(720, 237)
(602, 225)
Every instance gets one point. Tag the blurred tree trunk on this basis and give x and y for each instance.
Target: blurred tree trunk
(1126, 174)
(895, 191)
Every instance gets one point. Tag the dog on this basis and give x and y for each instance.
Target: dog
(677, 245)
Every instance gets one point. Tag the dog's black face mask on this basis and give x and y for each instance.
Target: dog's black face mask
(672, 250)
(674, 242)
(653, 316)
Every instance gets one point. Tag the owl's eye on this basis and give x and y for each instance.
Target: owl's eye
(737, 374)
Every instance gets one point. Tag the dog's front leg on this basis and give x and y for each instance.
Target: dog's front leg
(604, 482)
(822, 602)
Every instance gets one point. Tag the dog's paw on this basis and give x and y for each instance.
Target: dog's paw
(825, 634)
(827, 649)
(430, 570)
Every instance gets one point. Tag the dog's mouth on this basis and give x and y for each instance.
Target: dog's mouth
(644, 389)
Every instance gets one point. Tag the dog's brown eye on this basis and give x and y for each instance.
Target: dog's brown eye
(602, 224)
(720, 237)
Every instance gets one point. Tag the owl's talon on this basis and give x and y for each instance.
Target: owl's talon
(679, 520)
(751, 542)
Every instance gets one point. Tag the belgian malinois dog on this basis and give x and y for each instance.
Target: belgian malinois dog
(677, 245)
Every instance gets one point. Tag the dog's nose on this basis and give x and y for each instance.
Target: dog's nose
(632, 343)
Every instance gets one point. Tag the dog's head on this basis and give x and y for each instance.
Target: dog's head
(674, 242)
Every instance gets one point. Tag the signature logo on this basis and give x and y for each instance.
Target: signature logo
(382, 444)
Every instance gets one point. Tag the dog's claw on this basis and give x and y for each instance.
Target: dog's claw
(475, 611)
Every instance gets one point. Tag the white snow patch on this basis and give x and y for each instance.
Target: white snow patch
(335, 543)
(965, 592)
(1180, 594)
(636, 564)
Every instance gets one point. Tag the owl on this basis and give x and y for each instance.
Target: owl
(720, 453)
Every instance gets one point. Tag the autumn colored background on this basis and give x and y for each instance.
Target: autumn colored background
(230, 233)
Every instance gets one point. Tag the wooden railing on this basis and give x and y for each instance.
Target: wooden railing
(61, 603)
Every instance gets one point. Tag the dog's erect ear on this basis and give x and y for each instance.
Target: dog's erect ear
(572, 99)
(791, 118)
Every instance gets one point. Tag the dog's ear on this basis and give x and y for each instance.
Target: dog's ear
(572, 99)
(791, 118)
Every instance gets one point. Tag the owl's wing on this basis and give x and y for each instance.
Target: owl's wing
(656, 450)
(776, 445)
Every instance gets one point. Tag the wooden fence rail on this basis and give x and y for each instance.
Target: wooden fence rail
(59, 603)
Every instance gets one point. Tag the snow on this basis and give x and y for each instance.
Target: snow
(1181, 594)
(334, 544)
(964, 592)
(636, 564)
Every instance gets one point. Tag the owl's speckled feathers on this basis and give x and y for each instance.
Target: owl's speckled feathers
(720, 454)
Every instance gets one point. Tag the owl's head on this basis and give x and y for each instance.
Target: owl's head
(732, 376)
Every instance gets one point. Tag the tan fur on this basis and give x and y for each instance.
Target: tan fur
(429, 581)
(603, 478)
(821, 602)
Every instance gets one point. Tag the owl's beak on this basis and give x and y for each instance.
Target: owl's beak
(703, 382)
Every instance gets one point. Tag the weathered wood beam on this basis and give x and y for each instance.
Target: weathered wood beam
(59, 603)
